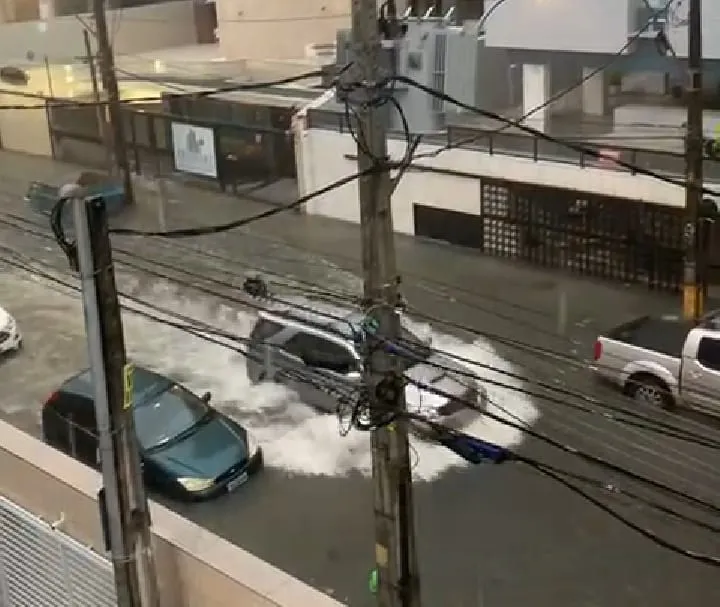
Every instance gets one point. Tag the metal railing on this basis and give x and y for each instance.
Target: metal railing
(42, 566)
(492, 142)
(526, 146)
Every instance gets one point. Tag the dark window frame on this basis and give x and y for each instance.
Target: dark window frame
(308, 352)
(702, 358)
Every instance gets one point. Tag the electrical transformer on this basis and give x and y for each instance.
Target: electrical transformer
(435, 53)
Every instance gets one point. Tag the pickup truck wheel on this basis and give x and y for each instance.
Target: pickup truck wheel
(649, 390)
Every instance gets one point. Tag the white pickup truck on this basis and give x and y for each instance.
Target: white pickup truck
(665, 361)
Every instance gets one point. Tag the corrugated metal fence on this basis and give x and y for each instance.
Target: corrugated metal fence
(44, 567)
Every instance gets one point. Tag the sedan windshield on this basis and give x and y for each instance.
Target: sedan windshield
(166, 415)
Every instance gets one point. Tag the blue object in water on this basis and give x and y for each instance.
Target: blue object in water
(473, 450)
(42, 197)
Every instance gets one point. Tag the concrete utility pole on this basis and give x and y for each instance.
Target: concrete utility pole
(694, 262)
(114, 113)
(97, 98)
(396, 560)
(127, 513)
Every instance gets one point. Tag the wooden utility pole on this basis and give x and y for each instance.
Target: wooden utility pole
(126, 512)
(396, 561)
(694, 262)
(114, 113)
(97, 99)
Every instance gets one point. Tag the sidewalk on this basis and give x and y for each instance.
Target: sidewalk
(454, 283)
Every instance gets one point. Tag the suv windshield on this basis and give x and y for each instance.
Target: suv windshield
(166, 415)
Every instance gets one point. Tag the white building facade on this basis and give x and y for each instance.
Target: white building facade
(453, 180)
(278, 29)
(561, 42)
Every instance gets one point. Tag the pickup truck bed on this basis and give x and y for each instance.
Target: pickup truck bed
(665, 335)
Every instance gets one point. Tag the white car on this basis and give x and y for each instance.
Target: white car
(10, 337)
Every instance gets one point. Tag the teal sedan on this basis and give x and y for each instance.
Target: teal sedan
(188, 449)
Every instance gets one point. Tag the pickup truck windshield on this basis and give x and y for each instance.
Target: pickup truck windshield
(164, 416)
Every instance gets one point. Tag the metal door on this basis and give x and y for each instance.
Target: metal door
(701, 377)
(699, 387)
(599, 236)
(44, 567)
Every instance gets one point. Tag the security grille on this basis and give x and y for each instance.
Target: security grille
(43, 567)
(597, 236)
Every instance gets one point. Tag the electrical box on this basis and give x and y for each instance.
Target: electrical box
(434, 53)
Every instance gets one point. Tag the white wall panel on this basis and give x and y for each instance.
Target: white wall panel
(588, 26)
(324, 160)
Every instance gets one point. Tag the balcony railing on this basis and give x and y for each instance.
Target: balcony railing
(671, 164)
(659, 161)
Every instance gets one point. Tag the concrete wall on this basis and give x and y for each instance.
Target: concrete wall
(24, 130)
(138, 29)
(323, 160)
(195, 567)
(590, 26)
(278, 29)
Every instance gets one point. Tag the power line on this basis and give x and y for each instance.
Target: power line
(238, 223)
(632, 419)
(247, 86)
(537, 133)
(664, 429)
(115, 134)
(520, 345)
(476, 450)
(187, 324)
(206, 332)
(553, 98)
(701, 440)
(235, 337)
(616, 490)
(552, 473)
(587, 457)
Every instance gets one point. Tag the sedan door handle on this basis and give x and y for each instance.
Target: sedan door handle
(695, 375)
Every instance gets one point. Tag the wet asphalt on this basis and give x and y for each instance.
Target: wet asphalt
(488, 536)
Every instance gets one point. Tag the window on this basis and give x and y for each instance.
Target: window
(709, 353)
(322, 353)
(165, 416)
(264, 330)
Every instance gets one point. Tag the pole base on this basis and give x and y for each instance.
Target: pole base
(693, 303)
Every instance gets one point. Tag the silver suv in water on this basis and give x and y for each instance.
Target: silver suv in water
(316, 338)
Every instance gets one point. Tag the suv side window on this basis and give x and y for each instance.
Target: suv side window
(322, 353)
(264, 329)
(709, 353)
